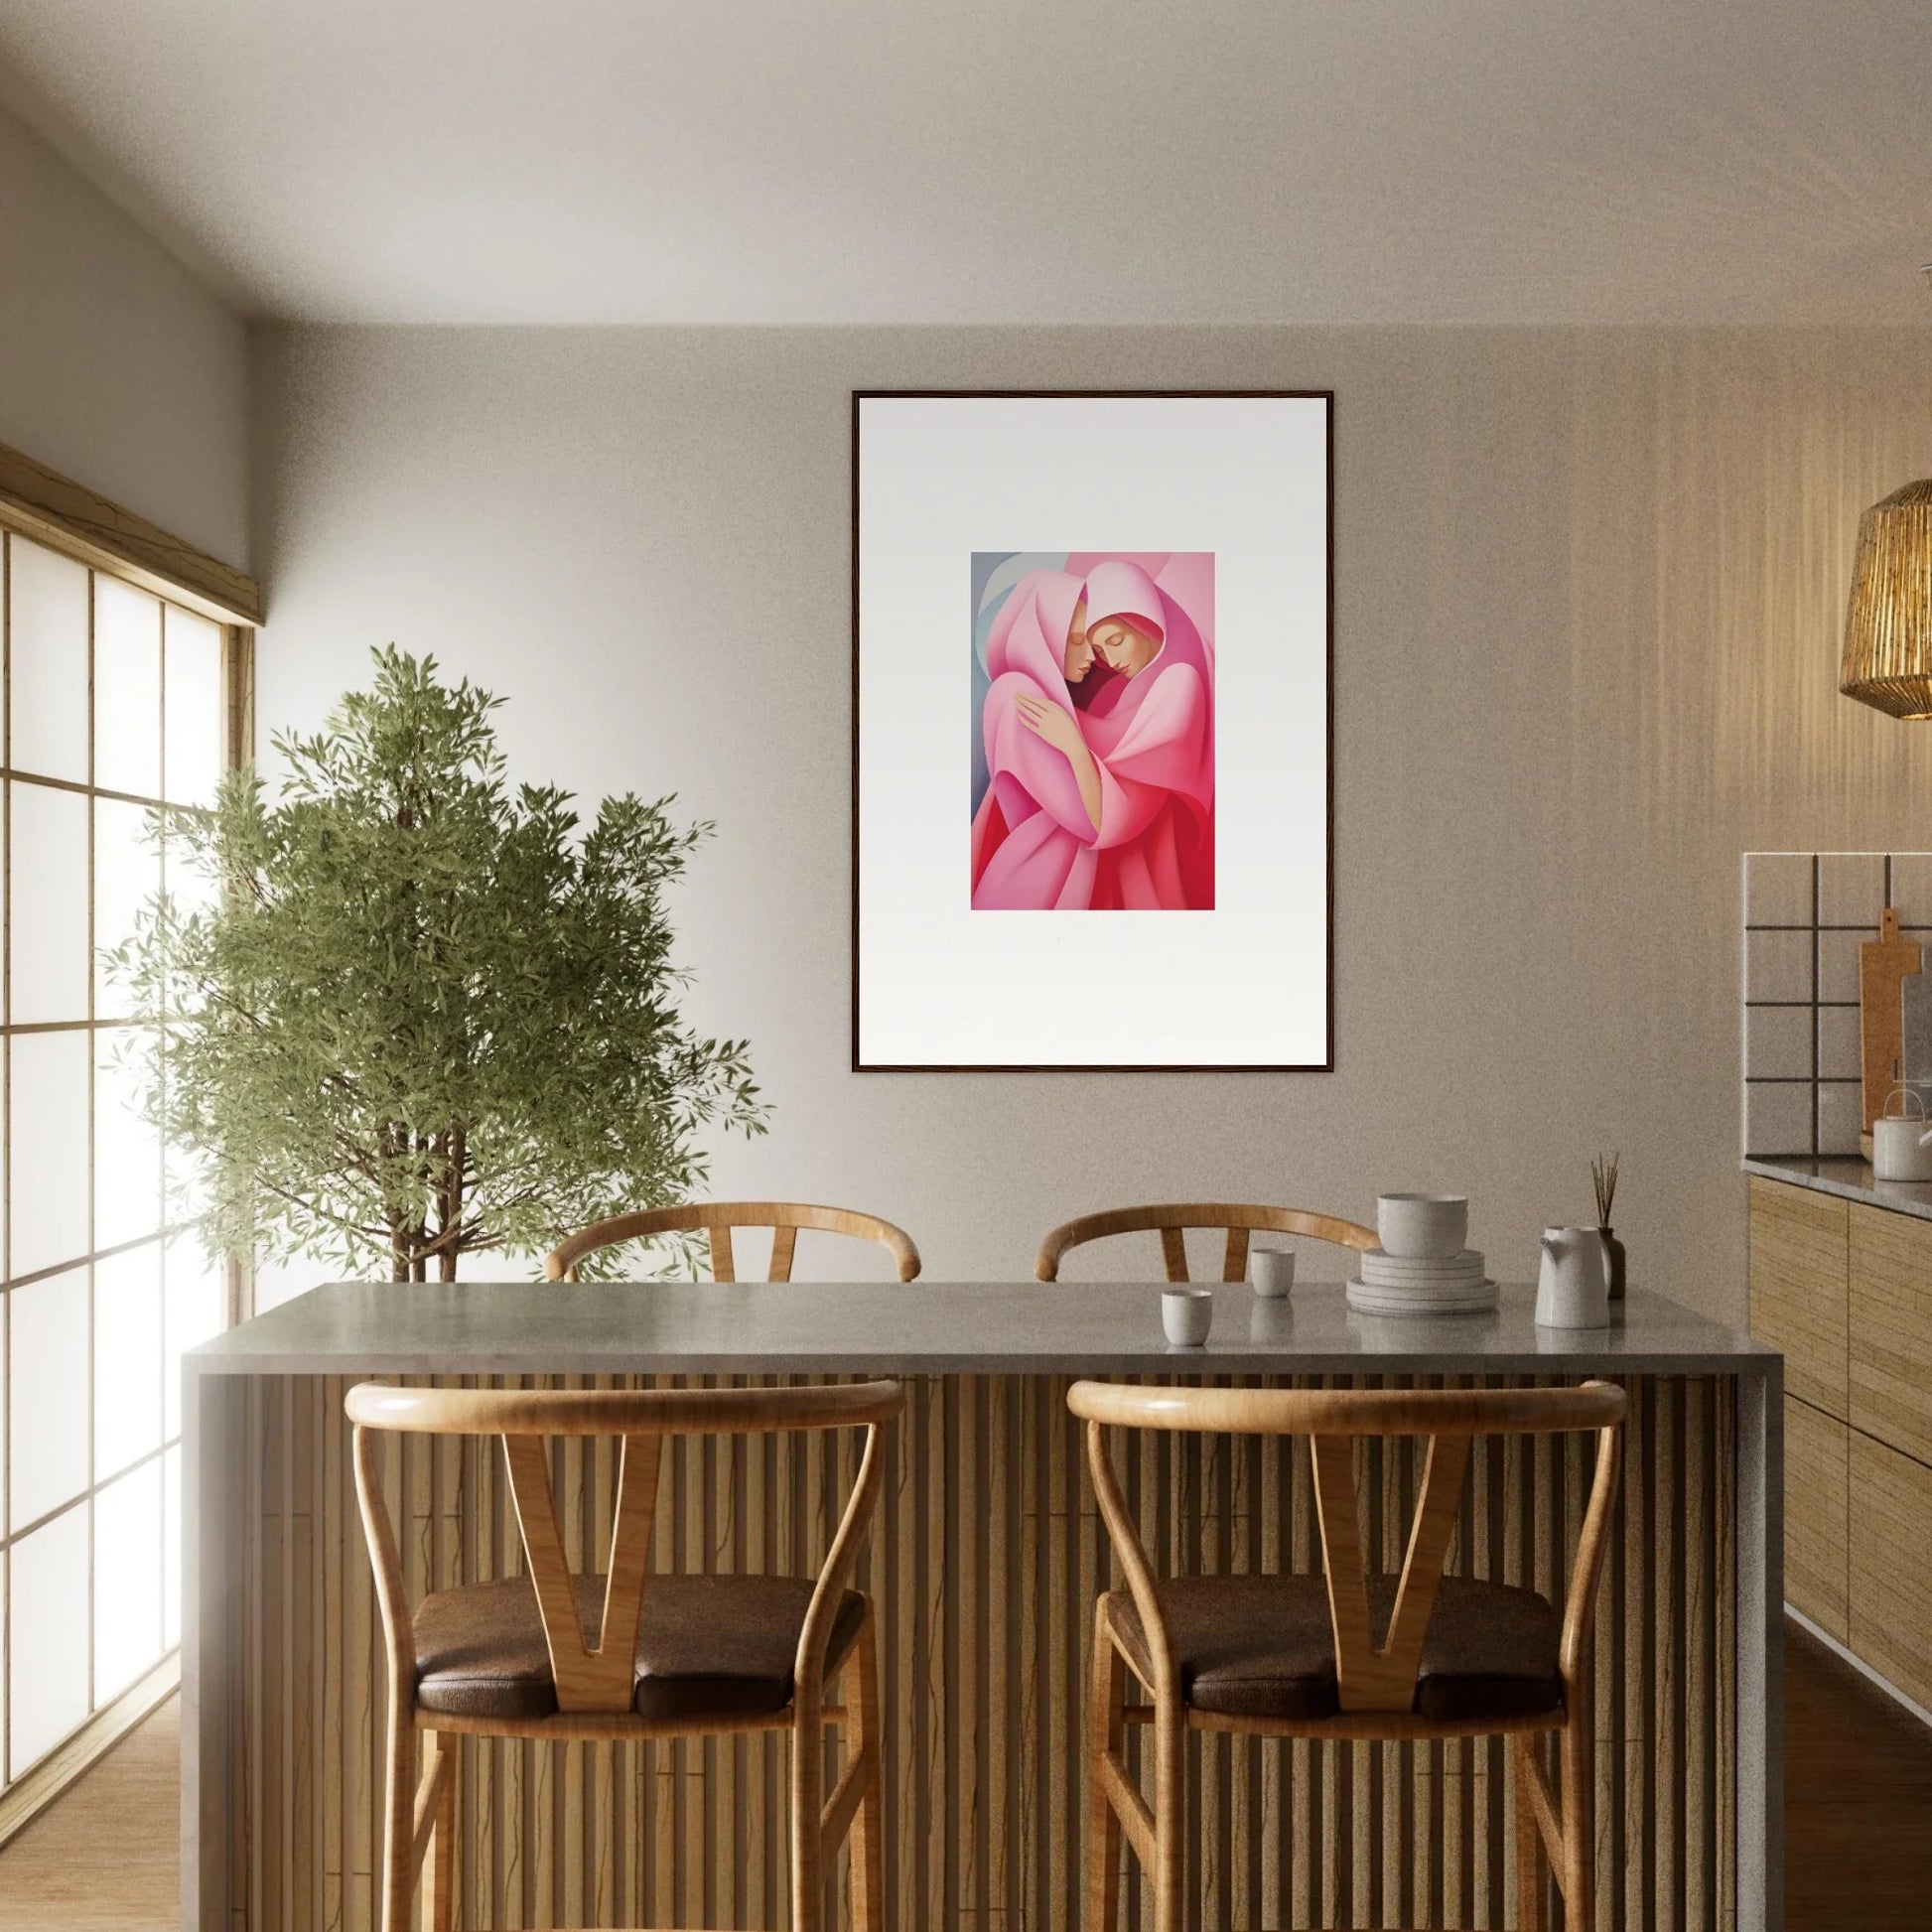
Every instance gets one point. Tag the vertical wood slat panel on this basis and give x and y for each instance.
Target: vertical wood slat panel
(984, 1564)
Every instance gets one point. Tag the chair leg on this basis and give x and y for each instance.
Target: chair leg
(863, 1737)
(1577, 1754)
(1532, 1889)
(1106, 1733)
(399, 1822)
(438, 1900)
(1170, 1811)
(807, 1802)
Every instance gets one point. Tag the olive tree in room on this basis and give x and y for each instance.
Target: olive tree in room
(418, 1012)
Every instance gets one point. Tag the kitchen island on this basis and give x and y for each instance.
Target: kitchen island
(985, 1560)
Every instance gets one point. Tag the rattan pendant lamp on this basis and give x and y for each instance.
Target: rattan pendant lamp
(1887, 659)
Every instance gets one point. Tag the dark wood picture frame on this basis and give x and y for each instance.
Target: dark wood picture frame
(1327, 399)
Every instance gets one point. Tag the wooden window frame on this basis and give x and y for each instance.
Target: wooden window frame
(48, 508)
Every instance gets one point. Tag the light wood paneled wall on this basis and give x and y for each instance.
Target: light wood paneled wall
(985, 1560)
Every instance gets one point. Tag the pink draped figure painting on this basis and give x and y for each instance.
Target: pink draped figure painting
(1093, 767)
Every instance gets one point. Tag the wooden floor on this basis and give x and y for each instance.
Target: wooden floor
(1858, 1819)
(107, 1853)
(1858, 1800)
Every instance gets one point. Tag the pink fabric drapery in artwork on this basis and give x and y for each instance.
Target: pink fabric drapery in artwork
(1033, 840)
(1152, 737)
(1034, 845)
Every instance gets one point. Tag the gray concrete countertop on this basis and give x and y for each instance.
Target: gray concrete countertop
(933, 1329)
(1850, 1178)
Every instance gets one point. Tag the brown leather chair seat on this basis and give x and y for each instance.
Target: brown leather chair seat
(1263, 1647)
(707, 1646)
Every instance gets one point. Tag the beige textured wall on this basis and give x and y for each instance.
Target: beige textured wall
(1588, 586)
(118, 366)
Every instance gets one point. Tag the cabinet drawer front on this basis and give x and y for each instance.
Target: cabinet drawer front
(1891, 1330)
(1798, 1288)
(1816, 1478)
(1892, 1566)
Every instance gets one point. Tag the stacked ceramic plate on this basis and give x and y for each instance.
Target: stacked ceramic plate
(1421, 1284)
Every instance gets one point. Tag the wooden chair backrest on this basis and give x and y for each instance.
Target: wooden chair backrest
(717, 1219)
(1173, 1218)
(596, 1675)
(1372, 1675)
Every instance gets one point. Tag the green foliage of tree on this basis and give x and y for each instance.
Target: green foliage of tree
(419, 1016)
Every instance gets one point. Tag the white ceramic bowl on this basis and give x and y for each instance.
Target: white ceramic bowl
(1188, 1313)
(1431, 1226)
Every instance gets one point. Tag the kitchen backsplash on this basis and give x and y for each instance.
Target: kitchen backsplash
(1806, 914)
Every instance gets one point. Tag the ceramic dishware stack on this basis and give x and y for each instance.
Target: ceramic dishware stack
(1423, 1266)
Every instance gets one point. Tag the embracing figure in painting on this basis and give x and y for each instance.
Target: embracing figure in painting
(1095, 722)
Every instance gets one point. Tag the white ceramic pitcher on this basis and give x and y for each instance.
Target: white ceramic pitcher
(1901, 1143)
(1573, 1290)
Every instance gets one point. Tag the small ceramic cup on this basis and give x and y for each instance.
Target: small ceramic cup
(1420, 1227)
(1188, 1313)
(1272, 1270)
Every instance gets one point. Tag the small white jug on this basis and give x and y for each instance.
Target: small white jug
(1901, 1144)
(1574, 1289)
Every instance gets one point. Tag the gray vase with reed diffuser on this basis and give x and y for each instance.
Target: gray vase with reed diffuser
(1602, 1175)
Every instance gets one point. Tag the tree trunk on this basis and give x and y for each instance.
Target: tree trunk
(455, 1152)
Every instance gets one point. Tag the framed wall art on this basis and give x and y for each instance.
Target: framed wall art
(1092, 788)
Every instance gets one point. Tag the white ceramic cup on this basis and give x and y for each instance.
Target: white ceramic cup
(1188, 1313)
(1272, 1270)
(1432, 1227)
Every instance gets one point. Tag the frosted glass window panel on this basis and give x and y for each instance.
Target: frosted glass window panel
(48, 662)
(191, 887)
(128, 1151)
(127, 1358)
(46, 1661)
(194, 711)
(127, 1579)
(127, 876)
(46, 832)
(47, 1191)
(196, 1309)
(184, 1178)
(127, 689)
(170, 1549)
(46, 1381)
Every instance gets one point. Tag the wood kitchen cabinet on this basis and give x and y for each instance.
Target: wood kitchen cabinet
(1843, 1287)
(1817, 1503)
(1892, 1566)
(1800, 1265)
(1891, 1330)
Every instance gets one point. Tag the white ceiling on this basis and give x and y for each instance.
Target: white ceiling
(1009, 161)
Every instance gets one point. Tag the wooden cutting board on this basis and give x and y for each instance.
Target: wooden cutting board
(1885, 964)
